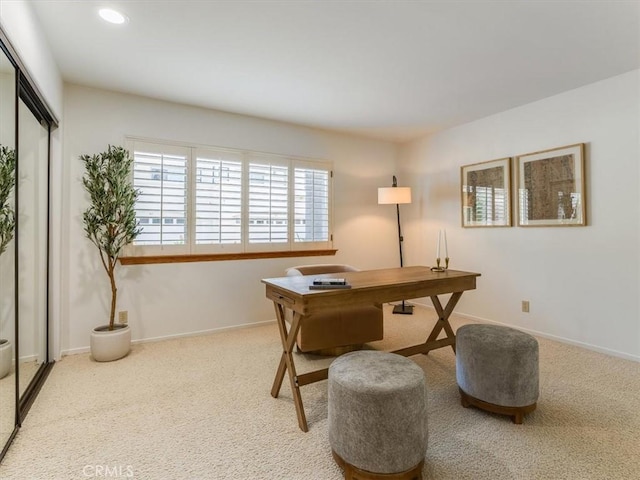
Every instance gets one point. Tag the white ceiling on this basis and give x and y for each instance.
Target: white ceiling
(389, 69)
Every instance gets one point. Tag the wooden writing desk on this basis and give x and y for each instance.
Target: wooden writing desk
(367, 287)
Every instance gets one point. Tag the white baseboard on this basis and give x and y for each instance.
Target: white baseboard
(29, 358)
(588, 346)
(75, 351)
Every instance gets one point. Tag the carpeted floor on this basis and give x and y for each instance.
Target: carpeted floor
(200, 408)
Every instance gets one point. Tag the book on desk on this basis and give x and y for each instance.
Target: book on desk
(329, 283)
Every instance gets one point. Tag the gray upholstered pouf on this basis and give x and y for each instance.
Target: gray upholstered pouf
(497, 369)
(377, 414)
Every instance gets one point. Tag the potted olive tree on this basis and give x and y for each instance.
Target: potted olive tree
(110, 223)
(7, 229)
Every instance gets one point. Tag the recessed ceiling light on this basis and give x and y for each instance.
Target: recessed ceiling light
(112, 16)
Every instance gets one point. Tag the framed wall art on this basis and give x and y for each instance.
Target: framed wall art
(486, 194)
(551, 187)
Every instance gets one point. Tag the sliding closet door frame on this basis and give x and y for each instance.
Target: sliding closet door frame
(27, 90)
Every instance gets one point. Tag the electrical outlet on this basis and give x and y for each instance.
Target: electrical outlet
(525, 306)
(123, 317)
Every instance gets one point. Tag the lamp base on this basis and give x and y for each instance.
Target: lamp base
(403, 309)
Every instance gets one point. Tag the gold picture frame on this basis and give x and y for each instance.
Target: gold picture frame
(550, 186)
(486, 193)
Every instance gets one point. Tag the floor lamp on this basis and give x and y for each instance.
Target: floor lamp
(397, 195)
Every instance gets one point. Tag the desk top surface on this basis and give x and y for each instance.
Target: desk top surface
(365, 279)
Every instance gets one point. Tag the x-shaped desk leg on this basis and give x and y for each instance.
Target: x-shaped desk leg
(443, 319)
(286, 363)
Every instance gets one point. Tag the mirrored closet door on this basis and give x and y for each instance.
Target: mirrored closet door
(33, 153)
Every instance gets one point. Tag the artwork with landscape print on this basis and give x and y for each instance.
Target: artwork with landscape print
(486, 194)
(551, 187)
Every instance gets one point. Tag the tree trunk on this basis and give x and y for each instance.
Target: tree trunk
(114, 294)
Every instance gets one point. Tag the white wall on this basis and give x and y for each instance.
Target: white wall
(582, 282)
(25, 34)
(7, 104)
(175, 299)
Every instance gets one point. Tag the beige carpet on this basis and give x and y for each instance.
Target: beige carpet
(199, 408)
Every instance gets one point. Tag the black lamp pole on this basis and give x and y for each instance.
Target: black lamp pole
(402, 309)
(400, 239)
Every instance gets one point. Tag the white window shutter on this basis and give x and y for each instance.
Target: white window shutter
(311, 204)
(218, 198)
(161, 209)
(268, 202)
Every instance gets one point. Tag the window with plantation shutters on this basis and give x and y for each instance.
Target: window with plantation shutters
(198, 199)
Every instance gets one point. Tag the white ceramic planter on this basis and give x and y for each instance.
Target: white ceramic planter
(108, 345)
(5, 357)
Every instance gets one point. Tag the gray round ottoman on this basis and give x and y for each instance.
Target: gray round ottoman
(377, 415)
(497, 369)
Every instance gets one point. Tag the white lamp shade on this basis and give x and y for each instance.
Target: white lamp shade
(394, 195)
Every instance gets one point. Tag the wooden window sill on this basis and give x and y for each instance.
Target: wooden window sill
(218, 257)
